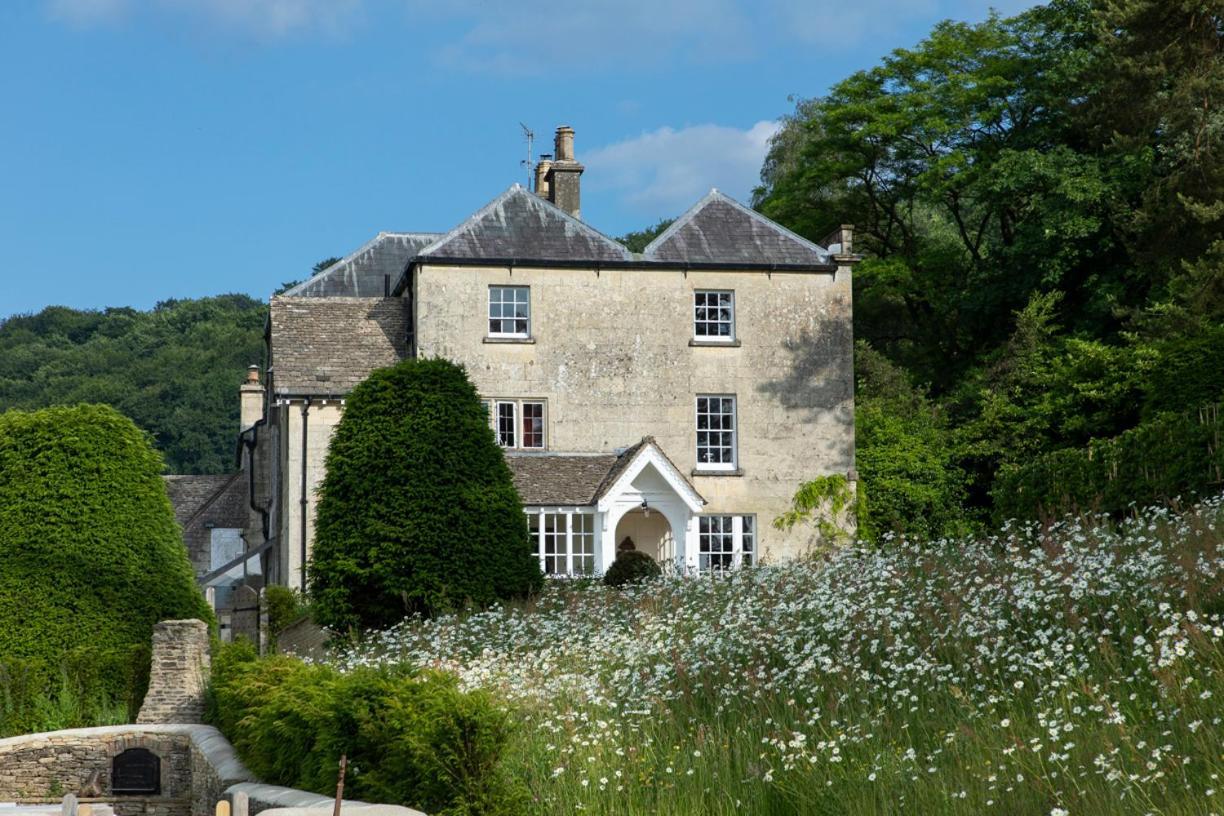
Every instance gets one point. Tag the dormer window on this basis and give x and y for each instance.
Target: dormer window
(510, 312)
(714, 316)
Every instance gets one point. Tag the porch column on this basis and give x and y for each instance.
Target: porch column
(605, 551)
(691, 544)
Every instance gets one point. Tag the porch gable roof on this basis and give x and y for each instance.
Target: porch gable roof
(591, 479)
(631, 463)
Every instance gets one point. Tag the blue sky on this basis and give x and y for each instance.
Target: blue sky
(152, 149)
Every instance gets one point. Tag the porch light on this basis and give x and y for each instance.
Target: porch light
(645, 509)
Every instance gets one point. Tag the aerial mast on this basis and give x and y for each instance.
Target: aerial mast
(530, 160)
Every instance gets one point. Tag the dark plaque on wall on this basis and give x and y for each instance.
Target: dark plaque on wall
(136, 771)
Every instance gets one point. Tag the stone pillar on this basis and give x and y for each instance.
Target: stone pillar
(178, 675)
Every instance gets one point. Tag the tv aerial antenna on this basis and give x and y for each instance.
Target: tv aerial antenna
(530, 160)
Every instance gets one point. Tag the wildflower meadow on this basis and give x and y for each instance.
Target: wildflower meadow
(1070, 669)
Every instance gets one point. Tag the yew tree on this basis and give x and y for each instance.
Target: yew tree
(417, 512)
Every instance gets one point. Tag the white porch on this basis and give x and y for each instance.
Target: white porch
(644, 499)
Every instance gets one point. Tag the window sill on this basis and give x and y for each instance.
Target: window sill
(715, 343)
(520, 340)
(736, 472)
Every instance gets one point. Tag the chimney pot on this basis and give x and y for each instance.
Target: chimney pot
(563, 177)
(250, 399)
(564, 143)
(542, 185)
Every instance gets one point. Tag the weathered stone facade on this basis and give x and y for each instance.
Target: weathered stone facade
(609, 354)
(179, 673)
(612, 359)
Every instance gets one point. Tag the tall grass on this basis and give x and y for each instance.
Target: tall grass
(1073, 667)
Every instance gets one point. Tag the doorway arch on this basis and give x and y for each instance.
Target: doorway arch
(650, 532)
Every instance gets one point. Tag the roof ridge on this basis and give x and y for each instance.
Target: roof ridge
(349, 258)
(346, 259)
(716, 195)
(769, 222)
(683, 219)
(512, 191)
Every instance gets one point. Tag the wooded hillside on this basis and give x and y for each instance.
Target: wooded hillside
(175, 370)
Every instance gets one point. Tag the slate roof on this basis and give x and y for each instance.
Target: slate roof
(577, 479)
(326, 346)
(720, 230)
(521, 226)
(192, 495)
(364, 272)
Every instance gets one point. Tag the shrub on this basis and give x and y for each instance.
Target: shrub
(411, 738)
(284, 606)
(90, 557)
(630, 567)
(417, 512)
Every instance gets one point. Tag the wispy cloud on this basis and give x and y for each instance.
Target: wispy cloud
(665, 171)
(264, 18)
(538, 36)
(544, 36)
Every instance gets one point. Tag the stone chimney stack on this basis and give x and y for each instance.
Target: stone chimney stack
(541, 176)
(564, 176)
(250, 399)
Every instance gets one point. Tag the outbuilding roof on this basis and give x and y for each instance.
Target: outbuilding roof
(720, 230)
(191, 495)
(366, 272)
(326, 346)
(520, 225)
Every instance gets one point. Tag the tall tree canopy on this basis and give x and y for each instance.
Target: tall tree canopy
(1039, 200)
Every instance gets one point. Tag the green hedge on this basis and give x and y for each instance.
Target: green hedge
(411, 738)
(417, 511)
(1168, 456)
(90, 559)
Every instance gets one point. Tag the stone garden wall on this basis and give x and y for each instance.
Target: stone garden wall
(198, 768)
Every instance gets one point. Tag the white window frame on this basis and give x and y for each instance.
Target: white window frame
(514, 422)
(493, 415)
(590, 535)
(713, 338)
(737, 534)
(522, 436)
(716, 467)
(512, 335)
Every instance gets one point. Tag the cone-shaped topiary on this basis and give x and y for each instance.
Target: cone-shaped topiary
(90, 554)
(417, 512)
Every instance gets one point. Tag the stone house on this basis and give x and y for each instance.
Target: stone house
(674, 398)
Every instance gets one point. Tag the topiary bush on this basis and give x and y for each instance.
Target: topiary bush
(417, 512)
(90, 558)
(630, 567)
(411, 738)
